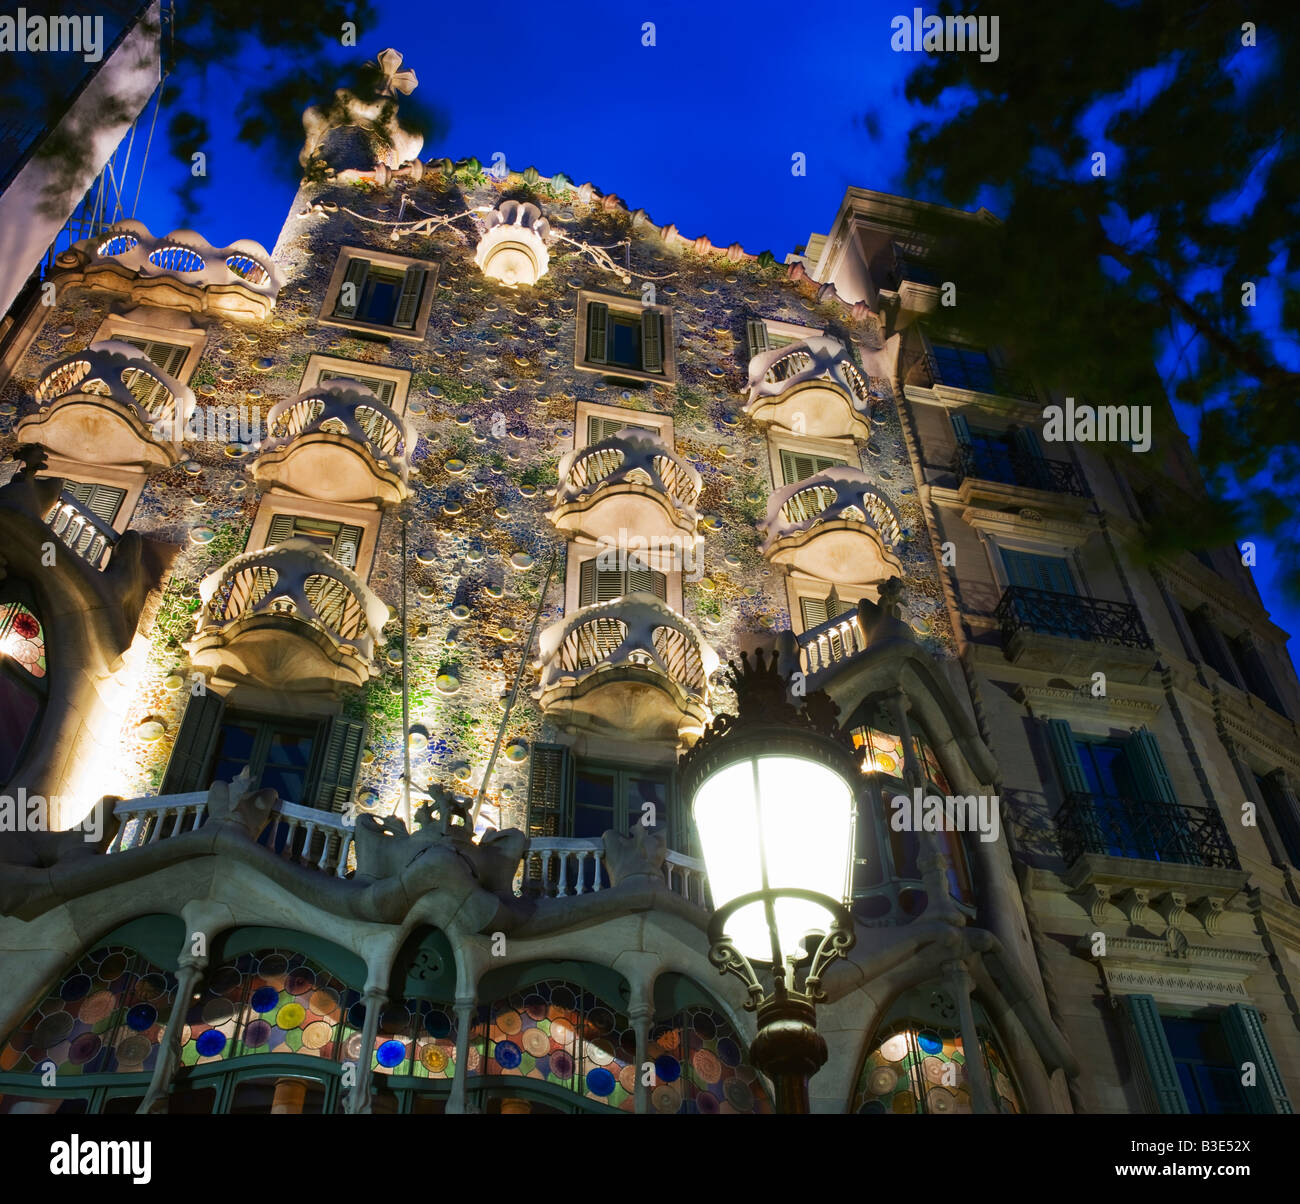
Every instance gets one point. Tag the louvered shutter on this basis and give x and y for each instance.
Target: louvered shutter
(647, 581)
(103, 501)
(961, 428)
(191, 759)
(836, 606)
(1244, 1030)
(756, 333)
(814, 612)
(347, 545)
(356, 274)
(1066, 756)
(408, 305)
(168, 356)
(610, 584)
(587, 583)
(281, 529)
(1147, 1040)
(336, 758)
(549, 788)
(1147, 766)
(597, 329)
(383, 389)
(652, 341)
(1025, 441)
(600, 429)
(796, 466)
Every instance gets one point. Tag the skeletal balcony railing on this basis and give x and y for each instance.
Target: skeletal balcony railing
(834, 493)
(1010, 466)
(124, 374)
(818, 357)
(346, 408)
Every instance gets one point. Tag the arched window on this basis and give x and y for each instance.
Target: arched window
(24, 682)
(887, 878)
(106, 1015)
(701, 1067)
(918, 1064)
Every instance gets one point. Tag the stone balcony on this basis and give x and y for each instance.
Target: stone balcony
(180, 270)
(811, 387)
(833, 525)
(288, 617)
(110, 405)
(84, 533)
(630, 482)
(631, 667)
(337, 443)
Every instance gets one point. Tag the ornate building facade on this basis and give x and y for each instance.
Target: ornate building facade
(360, 596)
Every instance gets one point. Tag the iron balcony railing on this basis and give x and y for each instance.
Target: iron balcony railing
(1114, 826)
(1014, 467)
(986, 377)
(1067, 615)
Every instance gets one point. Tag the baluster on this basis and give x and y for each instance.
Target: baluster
(562, 887)
(306, 843)
(597, 859)
(198, 816)
(548, 871)
(159, 818)
(291, 826)
(345, 845)
(325, 849)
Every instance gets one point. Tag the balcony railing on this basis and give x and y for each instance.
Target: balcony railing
(1072, 617)
(88, 535)
(831, 643)
(1149, 831)
(1014, 467)
(834, 493)
(629, 457)
(348, 408)
(317, 839)
(820, 356)
(122, 372)
(985, 378)
(556, 867)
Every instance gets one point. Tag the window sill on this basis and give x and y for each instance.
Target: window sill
(391, 332)
(617, 372)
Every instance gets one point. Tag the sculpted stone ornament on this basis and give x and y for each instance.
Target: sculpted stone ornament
(237, 803)
(640, 854)
(513, 250)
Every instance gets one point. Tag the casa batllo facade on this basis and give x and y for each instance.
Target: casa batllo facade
(360, 596)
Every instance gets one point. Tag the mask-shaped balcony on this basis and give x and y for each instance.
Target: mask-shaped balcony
(110, 405)
(180, 270)
(288, 617)
(513, 250)
(631, 668)
(631, 482)
(338, 443)
(833, 525)
(811, 387)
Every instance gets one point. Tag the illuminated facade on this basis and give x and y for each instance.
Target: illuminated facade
(488, 477)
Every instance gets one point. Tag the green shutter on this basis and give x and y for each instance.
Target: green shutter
(346, 546)
(549, 789)
(610, 584)
(756, 332)
(383, 389)
(168, 356)
(599, 429)
(1066, 756)
(836, 606)
(408, 305)
(1150, 777)
(1025, 441)
(597, 323)
(356, 274)
(647, 581)
(191, 758)
(652, 340)
(587, 583)
(281, 529)
(799, 466)
(103, 501)
(814, 612)
(1245, 1033)
(961, 428)
(1153, 1046)
(335, 760)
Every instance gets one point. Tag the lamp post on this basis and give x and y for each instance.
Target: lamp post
(773, 794)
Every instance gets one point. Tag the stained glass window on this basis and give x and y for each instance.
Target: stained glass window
(700, 1067)
(271, 1002)
(22, 638)
(416, 1038)
(921, 1068)
(108, 1014)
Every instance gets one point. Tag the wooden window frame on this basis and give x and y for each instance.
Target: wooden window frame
(630, 306)
(317, 364)
(663, 423)
(367, 518)
(347, 255)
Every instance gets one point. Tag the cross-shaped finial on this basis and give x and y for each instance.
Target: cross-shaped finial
(395, 81)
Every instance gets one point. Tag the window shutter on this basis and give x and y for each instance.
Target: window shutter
(1066, 756)
(408, 304)
(1244, 1030)
(647, 581)
(347, 545)
(814, 612)
(756, 332)
(597, 324)
(356, 274)
(796, 466)
(281, 529)
(836, 606)
(1147, 1039)
(587, 583)
(549, 787)
(652, 340)
(961, 428)
(336, 758)
(1147, 766)
(599, 429)
(103, 501)
(1025, 441)
(195, 743)
(610, 584)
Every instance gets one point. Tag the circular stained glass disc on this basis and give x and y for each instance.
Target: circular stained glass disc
(929, 1042)
(729, 1052)
(224, 981)
(561, 1064)
(98, 1007)
(509, 1022)
(940, 1101)
(391, 1053)
(77, 987)
(706, 1065)
(599, 1022)
(933, 1069)
(133, 1050)
(535, 1006)
(83, 1048)
(291, 1015)
(435, 1061)
(895, 1049)
(325, 1002)
(562, 997)
(273, 966)
(738, 1095)
(599, 1053)
(112, 966)
(666, 1099)
(264, 999)
(53, 1029)
(667, 1068)
(600, 1081)
(707, 1104)
(438, 1024)
(211, 1043)
(300, 981)
(627, 1078)
(352, 1049)
(705, 1026)
(317, 1035)
(141, 1017)
(882, 1080)
(536, 1042)
(562, 1032)
(217, 1011)
(257, 1033)
(151, 987)
(508, 1055)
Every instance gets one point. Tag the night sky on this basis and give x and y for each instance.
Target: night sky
(698, 130)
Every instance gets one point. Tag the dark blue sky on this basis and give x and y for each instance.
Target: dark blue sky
(697, 130)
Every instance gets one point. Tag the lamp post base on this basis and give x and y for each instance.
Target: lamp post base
(789, 1050)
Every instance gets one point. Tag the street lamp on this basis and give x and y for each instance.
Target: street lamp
(773, 795)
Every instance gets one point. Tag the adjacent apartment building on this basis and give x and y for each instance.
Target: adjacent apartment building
(360, 596)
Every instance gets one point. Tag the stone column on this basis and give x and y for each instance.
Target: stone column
(359, 1102)
(189, 970)
(958, 980)
(465, 1009)
(641, 1013)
